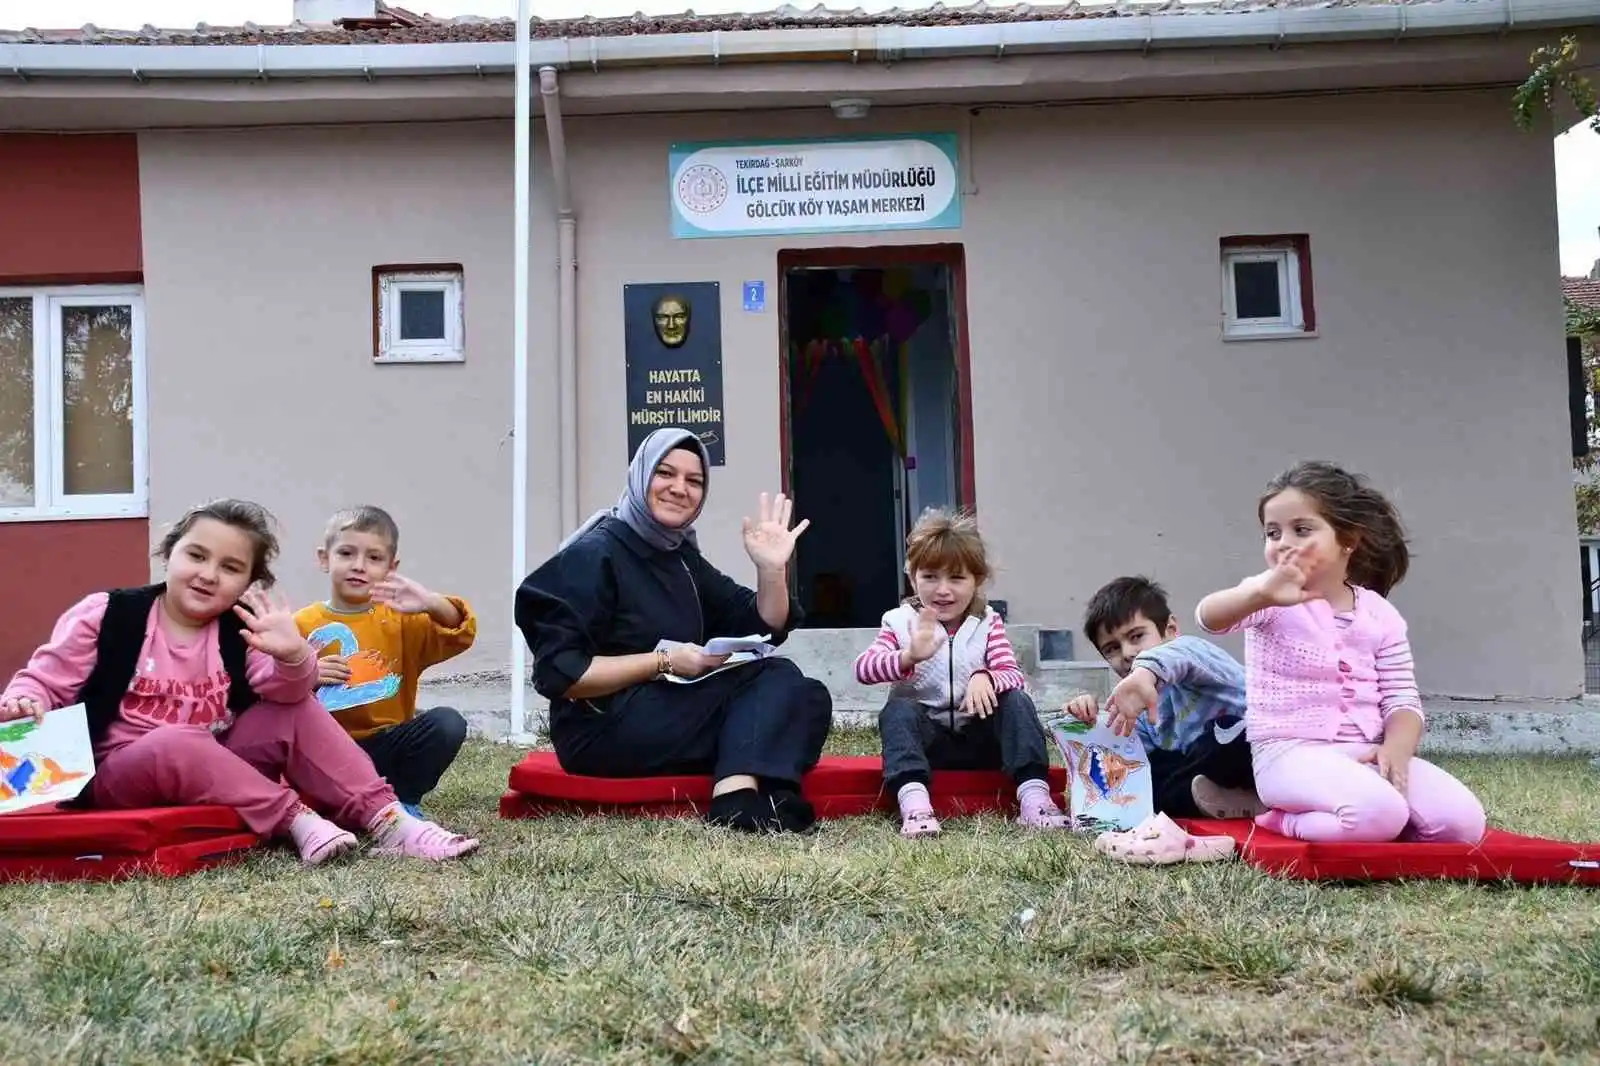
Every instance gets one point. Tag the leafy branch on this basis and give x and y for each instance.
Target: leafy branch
(1582, 321)
(1555, 69)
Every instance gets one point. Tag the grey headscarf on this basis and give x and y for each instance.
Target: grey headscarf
(633, 507)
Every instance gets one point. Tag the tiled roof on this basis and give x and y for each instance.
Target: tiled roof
(399, 26)
(1585, 292)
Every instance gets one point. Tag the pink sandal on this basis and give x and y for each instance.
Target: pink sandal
(399, 833)
(917, 824)
(1044, 816)
(1158, 841)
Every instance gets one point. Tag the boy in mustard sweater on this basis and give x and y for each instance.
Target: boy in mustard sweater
(375, 634)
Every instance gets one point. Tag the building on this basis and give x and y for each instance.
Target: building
(1581, 297)
(1110, 268)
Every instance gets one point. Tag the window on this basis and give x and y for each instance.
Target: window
(419, 313)
(72, 408)
(1580, 398)
(1266, 287)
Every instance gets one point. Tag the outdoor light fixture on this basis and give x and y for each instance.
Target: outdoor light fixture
(850, 107)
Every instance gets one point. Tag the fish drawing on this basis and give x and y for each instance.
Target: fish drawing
(31, 775)
(1103, 772)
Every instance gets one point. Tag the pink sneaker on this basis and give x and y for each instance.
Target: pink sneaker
(317, 839)
(399, 833)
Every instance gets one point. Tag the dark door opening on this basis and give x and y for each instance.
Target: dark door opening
(876, 407)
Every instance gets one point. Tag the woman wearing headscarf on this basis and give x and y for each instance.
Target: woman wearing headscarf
(633, 576)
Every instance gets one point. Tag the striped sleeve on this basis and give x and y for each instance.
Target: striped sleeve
(1000, 659)
(1397, 681)
(880, 663)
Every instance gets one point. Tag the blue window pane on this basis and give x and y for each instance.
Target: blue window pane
(1255, 291)
(422, 316)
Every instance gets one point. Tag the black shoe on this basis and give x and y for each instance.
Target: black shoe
(746, 810)
(795, 813)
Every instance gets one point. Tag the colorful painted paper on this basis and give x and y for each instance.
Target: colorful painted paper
(1108, 777)
(48, 762)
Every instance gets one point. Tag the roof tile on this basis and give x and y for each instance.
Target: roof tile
(1585, 292)
(400, 26)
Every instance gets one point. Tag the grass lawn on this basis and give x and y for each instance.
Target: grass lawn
(631, 941)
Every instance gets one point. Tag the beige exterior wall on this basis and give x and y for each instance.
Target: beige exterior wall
(258, 274)
(1114, 430)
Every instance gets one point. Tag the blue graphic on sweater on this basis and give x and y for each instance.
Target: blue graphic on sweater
(372, 679)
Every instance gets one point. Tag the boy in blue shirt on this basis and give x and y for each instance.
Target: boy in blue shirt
(1199, 755)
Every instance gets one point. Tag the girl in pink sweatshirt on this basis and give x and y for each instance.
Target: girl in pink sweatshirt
(199, 691)
(1333, 715)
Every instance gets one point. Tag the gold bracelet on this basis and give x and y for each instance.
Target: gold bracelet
(663, 664)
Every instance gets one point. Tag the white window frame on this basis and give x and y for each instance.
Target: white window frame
(391, 349)
(1291, 322)
(50, 499)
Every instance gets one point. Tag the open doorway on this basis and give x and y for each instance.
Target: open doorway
(877, 416)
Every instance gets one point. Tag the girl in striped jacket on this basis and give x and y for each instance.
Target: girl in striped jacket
(957, 699)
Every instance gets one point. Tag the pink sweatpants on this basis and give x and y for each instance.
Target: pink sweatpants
(1318, 791)
(174, 766)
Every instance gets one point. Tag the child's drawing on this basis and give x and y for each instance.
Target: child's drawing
(45, 763)
(1108, 777)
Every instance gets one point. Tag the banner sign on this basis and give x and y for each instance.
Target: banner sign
(672, 337)
(744, 189)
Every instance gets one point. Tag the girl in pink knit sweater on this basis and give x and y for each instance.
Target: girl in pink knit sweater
(1334, 717)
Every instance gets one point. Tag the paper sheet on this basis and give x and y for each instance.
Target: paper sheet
(1108, 777)
(740, 650)
(731, 645)
(45, 762)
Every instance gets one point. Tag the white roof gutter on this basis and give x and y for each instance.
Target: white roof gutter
(1112, 32)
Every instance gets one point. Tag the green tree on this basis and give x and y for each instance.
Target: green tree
(1556, 72)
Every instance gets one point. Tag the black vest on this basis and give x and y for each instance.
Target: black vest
(122, 633)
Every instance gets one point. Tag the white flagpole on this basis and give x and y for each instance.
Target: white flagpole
(519, 362)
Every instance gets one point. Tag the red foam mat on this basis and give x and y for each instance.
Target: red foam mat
(840, 786)
(55, 844)
(1500, 856)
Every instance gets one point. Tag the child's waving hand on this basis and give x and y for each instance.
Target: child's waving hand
(270, 627)
(1135, 695)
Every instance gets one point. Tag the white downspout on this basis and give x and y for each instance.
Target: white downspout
(519, 363)
(567, 299)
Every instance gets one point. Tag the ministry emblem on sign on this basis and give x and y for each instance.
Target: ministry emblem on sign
(702, 188)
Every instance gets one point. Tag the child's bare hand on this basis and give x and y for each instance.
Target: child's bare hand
(1137, 694)
(1285, 584)
(1085, 708)
(269, 626)
(333, 670)
(925, 636)
(403, 594)
(1393, 763)
(980, 698)
(14, 707)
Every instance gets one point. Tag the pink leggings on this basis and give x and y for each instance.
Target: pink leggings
(1318, 791)
(242, 768)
